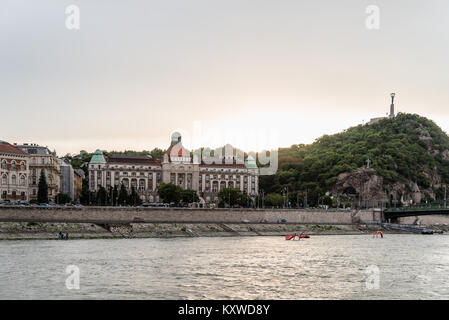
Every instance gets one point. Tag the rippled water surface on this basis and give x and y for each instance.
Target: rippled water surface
(323, 267)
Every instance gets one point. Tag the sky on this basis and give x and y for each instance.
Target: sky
(256, 74)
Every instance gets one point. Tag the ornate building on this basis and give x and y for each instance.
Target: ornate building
(177, 166)
(14, 173)
(42, 159)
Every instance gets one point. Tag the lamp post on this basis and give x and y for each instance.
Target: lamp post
(285, 193)
(263, 198)
(445, 196)
(305, 198)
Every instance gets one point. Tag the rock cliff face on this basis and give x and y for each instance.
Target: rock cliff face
(365, 184)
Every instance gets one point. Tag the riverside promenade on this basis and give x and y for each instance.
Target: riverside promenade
(183, 215)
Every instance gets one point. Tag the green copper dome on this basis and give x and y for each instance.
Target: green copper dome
(97, 157)
(250, 163)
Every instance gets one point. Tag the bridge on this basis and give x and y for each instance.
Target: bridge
(416, 210)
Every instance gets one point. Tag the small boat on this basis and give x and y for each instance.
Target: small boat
(294, 235)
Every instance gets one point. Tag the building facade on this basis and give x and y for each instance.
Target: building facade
(177, 166)
(67, 179)
(14, 173)
(40, 158)
(78, 184)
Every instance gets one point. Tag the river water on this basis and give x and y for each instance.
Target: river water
(322, 267)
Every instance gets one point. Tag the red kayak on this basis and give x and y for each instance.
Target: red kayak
(294, 235)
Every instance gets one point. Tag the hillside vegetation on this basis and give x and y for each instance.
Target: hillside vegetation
(406, 149)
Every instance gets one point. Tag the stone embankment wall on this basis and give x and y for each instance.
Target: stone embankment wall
(182, 215)
(426, 220)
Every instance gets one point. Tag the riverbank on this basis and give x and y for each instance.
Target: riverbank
(49, 230)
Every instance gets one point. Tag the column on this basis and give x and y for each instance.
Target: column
(95, 180)
(154, 181)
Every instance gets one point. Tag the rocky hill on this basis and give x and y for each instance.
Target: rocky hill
(408, 160)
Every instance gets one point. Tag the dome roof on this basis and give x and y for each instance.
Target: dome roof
(97, 157)
(175, 138)
(250, 162)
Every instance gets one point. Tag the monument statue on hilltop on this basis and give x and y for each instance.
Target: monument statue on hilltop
(392, 106)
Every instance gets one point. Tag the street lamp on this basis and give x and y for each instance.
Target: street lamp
(285, 193)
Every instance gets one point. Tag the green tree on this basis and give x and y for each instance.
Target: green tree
(157, 153)
(42, 192)
(114, 195)
(231, 197)
(189, 196)
(134, 198)
(274, 200)
(123, 195)
(102, 196)
(170, 193)
(85, 193)
(62, 198)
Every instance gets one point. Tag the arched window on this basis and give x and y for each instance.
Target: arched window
(13, 179)
(22, 166)
(4, 180)
(4, 164)
(13, 164)
(22, 180)
(141, 185)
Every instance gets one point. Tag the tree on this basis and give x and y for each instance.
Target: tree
(42, 193)
(189, 196)
(157, 153)
(114, 195)
(122, 195)
(170, 193)
(274, 200)
(134, 198)
(101, 196)
(62, 198)
(230, 196)
(85, 193)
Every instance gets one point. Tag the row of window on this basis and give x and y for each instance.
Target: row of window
(14, 195)
(13, 164)
(125, 173)
(123, 167)
(43, 160)
(13, 181)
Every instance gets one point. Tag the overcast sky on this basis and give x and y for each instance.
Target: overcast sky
(252, 73)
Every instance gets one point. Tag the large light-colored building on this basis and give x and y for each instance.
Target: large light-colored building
(41, 158)
(14, 173)
(178, 167)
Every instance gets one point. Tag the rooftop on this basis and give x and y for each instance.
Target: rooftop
(98, 157)
(6, 147)
(131, 159)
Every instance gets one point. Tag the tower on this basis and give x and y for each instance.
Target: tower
(392, 106)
